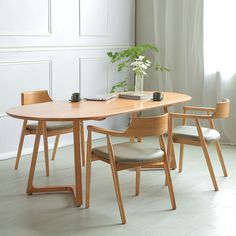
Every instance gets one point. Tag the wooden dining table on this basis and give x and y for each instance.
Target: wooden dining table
(77, 112)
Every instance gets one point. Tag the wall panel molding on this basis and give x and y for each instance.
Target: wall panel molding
(88, 62)
(64, 47)
(4, 32)
(92, 21)
(56, 45)
(12, 63)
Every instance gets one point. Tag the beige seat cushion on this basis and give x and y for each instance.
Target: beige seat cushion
(190, 132)
(52, 125)
(130, 153)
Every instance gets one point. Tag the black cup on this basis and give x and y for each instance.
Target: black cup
(157, 96)
(75, 97)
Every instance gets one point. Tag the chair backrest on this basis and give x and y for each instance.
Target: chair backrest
(33, 97)
(147, 126)
(222, 109)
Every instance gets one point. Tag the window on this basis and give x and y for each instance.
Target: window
(220, 37)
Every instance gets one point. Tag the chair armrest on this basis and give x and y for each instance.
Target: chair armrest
(193, 108)
(104, 131)
(190, 116)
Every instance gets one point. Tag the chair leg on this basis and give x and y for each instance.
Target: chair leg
(170, 145)
(138, 173)
(115, 179)
(82, 143)
(206, 154)
(55, 147)
(181, 157)
(88, 172)
(88, 183)
(170, 186)
(118, 194)
(209, 165)
(21, 142)
(173, 161)
(221, 159)
(131, 139)
(168, 180)
(45, 142)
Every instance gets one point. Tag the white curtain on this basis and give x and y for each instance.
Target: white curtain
(220, 59)
(178, 27)
(181, 46)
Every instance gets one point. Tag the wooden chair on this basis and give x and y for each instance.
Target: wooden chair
(130, 155)
(50, 128)
(200, 136)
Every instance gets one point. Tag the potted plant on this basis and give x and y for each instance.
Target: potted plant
(135, 57)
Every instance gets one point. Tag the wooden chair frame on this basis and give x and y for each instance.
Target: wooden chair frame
(221, 111)
(139, 127)
(41, 96)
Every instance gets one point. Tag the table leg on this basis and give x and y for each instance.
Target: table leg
(34, 158)
(132, 139)
(77, 163)
(169, 142)
(43, 189)
(170, 147)
(75, 189)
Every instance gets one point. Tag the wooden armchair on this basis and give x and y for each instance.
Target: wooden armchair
(130, 155)
(50, 128)
(200, 136)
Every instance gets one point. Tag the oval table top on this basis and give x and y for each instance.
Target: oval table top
(89, 110)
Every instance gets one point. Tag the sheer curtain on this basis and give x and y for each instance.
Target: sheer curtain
(220, 59)
(204, 71)
(181, 46)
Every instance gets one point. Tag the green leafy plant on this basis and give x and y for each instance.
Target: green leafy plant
(131, 54)
(130, 57)
(120, 85)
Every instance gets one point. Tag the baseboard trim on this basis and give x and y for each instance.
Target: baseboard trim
(27, 151)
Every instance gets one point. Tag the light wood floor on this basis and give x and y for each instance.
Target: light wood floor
(200, 210)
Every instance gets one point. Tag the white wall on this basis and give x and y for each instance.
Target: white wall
(59, 45)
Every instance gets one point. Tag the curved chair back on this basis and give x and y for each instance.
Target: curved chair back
(33, 97)
(147, 126)
(222, 109)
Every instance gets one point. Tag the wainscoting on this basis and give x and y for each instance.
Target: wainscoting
(60, 46)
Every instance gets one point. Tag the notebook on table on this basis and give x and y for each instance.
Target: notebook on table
(135, 96)
(100, 97)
